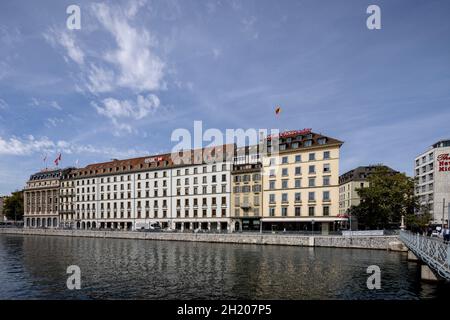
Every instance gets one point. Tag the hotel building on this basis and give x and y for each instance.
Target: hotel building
(301, 182)
(66, 198)
(432, 173)
(41, 197)
(246, 202)
(349, 182)
(222, 188)
(186, 192)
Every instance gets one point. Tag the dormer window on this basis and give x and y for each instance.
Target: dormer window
(308, 143)
(322, 140)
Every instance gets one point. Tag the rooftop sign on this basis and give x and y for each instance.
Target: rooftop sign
(291, 133)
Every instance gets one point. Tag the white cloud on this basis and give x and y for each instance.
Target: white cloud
(66, 39)
(44, 103)
(30, 145)
(117, 110)
(100, 80)
(53, 122)
(139, 68)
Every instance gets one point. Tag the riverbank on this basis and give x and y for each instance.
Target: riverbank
(358, 242)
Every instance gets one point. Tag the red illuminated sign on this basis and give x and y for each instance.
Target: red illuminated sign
(291, 133)
(154, 159)
(444, 162)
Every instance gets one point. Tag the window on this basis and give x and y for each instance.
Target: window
(284, 212)
(271, 198)
(298, 171)
(298, 197)
(326, 181)
(284, 197)
(326, 154)
(326, 210)
(311, 196)
(312, 156)
(284, 184)
(298, 158)
(272, 212)
(284, 160)
(326, 196)
(272, 184)
(284, 172)
(297, 211)
(312, 169)
(311, 211)
(312, 182)
(298, 183)
(272, 173)
(326, 168)
(322, 140)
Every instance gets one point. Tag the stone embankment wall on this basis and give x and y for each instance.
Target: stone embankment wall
(362, 242)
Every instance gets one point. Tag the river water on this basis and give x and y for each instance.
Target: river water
(34, 267)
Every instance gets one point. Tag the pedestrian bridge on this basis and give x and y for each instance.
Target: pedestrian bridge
(432, 251)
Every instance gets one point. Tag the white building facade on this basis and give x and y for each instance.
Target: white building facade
(139, 193)
(432, 173)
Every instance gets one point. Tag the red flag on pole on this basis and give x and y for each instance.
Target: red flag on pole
(58, 159)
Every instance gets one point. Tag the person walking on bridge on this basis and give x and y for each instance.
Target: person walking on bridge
(446, 234)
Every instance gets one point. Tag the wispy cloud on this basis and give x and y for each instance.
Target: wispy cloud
(3, 104)
(35, 102)
(66, 39)
(30, 145)
(139, 68)
(122, 111)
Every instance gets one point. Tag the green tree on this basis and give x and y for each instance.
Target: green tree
(13, 206)
(389, 196)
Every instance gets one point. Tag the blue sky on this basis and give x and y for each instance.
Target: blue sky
(137, 70)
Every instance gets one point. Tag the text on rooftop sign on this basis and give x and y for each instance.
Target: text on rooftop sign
(153, 159)
(291, 133)
(444, 162)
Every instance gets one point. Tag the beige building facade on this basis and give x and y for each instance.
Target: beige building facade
(301, 183)
(350, 182)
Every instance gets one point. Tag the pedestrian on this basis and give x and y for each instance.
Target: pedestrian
(446, 234)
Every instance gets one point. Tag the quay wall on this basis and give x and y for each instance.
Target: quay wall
(361, 242)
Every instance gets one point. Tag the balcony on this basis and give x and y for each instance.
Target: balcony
(245, 205)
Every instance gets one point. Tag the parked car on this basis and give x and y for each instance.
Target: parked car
(435, 233)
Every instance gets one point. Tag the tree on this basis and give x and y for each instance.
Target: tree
(389, 196)
(13, 206)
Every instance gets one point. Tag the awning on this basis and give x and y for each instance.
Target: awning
(304, 219)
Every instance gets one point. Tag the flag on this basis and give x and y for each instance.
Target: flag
(277, 110)
(58, 159)
(45, 158)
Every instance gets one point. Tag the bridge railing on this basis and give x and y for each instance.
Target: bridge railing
(433, 251)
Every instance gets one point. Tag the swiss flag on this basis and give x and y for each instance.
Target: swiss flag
(58, 159)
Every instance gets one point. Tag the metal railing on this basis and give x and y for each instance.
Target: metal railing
(434, 252)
